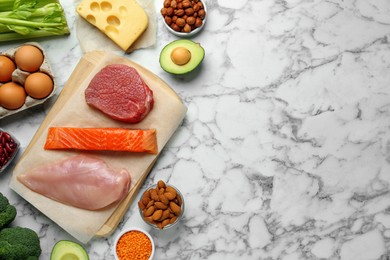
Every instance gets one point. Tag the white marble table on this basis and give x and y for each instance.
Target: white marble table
(285, 150)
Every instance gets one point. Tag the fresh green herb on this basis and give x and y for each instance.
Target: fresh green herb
(25, 19)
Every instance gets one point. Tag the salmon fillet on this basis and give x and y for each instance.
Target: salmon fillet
(80, 181)
(102, 139)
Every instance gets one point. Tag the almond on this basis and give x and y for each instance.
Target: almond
(141, 205)
(157, 215)
(165, 222)
(149, 211)
(169, 195)
(171, 190)
(161, 191)
(165, 214)
(159, 225)
(160, 205)
(150, 219)
(145, 200)
(175, 208)
(164, 199)
(146, 194)
(154, 195)
(161, 184)
(179, 200)
(150, 204)
(172, 220)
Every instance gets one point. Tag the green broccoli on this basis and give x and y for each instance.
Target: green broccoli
(7, 211)
(18, 243)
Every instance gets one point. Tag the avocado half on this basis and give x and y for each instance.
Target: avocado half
(181, 56)
(65, 249)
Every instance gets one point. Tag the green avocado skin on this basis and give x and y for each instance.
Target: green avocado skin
(65, 249)
(197, 56)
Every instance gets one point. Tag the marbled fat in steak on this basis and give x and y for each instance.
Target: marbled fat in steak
(119, 92)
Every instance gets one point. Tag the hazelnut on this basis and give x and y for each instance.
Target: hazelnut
(179, 6)
(173, 4)
(168, 20)
(180, 22)
(175, 27)
(167, 3)
(185, 17)
(187, 28)
(179, 12)
(174, 18)
(189, 11)
(170, 11)
(190, 20)
(196, 7)
(198, 22)
(202, 13)
(186, 3)
(163, 11)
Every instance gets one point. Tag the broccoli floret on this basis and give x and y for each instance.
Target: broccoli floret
(7, 211)
(18, 243)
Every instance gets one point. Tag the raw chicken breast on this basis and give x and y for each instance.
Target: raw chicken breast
(80, 181)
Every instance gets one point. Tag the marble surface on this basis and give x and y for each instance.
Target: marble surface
(285, 150)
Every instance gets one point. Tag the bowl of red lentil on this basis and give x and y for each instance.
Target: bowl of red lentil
(134, 243)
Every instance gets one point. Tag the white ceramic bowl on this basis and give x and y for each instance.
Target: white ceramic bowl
(178, 218)
(133, 229)
(193, 32)
(15, 151)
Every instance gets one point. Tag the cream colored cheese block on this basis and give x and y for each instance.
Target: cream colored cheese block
(123, 21)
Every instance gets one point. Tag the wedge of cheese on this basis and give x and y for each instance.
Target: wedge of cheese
(123, 21)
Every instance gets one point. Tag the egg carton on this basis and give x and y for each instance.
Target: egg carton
(19, 76)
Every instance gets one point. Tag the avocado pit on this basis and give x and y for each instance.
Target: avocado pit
(180, 56)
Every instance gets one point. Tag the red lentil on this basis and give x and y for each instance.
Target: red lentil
(134, 245)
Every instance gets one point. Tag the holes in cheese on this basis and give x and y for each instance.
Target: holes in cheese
(94, 7)
(91, 19)
(106, 6)
(111, 31)
(123, 10)
(122, 21)
(113, 20)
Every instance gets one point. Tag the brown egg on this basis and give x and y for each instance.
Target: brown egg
(12, 96)
(7, 66)
(28, 58)
(38, 85)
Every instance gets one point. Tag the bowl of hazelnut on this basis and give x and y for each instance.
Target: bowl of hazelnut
(184, 18)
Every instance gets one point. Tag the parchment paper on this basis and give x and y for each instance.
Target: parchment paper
(91, 38)
(71, 110)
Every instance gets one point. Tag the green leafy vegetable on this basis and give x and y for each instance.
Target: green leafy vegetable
(7, 211)
(18, 243)
(24, 19)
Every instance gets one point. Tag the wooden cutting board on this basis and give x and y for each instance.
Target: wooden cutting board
(71, 110)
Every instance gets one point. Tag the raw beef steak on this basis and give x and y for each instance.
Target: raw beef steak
(119, 92)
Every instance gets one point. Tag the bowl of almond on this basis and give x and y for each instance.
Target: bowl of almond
(184, 18)
(161, 206)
